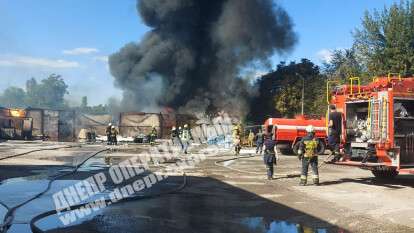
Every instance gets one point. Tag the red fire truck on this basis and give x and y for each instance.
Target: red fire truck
(378, 124)
(289, 132)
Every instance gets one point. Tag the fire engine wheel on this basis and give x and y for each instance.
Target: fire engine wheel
(321, 147)
(384, 173)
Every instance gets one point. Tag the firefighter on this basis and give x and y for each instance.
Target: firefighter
(259, 142)
(334, 132)
(175, 138)
(237, 139)
(237, 144)
(180, 131)
(108, 133)
(185, 138)
(174, 135)
(153, 135)
(270, 155)
(114, 134)
(251, 138)
(307, 152)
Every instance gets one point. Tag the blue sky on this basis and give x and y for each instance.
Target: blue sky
(74, 37)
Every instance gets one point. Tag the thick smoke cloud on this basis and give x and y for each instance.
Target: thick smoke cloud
(193, 56)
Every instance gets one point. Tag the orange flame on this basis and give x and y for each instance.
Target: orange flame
(17, 113)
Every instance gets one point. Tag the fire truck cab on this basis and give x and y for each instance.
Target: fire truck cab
(378, 128)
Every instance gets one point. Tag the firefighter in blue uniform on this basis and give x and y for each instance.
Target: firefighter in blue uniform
(307, 152)
(270, 155)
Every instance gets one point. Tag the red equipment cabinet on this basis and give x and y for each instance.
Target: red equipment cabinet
(378, 124)
(288, 132)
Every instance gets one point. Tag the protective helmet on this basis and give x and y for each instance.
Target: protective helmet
(173, 128)
(153, 126)
(110, 124)
(310, 129)
(185, 126)
(113, 127)
(179, 127)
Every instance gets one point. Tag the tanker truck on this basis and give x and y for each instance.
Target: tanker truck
(289, 131)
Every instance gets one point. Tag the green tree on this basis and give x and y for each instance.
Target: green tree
(280, 92)
(84, 103)
(288, 101)
(49, 93)
(385, 42)
(13, 97)
(343, 65)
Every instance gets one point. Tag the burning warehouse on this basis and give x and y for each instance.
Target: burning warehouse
(32, 123)
(14, 124)
(66, 125)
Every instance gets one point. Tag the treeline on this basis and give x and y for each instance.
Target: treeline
(49, 93)
(383, 44)
(280, 92)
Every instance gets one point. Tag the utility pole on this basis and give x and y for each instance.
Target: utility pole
(303, 93)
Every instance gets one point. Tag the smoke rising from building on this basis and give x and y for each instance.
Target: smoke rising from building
(192, 57)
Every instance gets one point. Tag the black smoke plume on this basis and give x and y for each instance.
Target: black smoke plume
(193, 57)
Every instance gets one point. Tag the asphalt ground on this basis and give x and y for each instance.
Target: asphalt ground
(219, 196)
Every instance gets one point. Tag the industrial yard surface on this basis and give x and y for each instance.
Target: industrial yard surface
(215, 195)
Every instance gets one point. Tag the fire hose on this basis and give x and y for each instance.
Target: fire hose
(281, 175)
(36, 229)
(26, 153)
(37, 150)
(8, 218)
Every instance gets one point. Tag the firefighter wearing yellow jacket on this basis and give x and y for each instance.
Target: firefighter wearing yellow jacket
(307, 152)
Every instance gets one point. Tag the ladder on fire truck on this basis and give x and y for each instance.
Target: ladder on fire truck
(378, 119)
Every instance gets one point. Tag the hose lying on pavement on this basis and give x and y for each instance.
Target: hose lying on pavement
(37, 150)
(8, 218)
(36, 229)
(280, 175)
(4, 205)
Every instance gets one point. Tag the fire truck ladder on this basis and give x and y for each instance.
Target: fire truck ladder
(378, 118)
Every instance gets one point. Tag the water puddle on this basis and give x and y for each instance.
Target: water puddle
(3, 211)
(262, 225)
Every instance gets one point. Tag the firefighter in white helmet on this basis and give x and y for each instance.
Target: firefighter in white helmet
(307, 152)
(175, 137)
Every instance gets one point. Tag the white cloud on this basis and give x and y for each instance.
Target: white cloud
(325, 55)
(101, 58)
(36, 62)
(79, 51)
